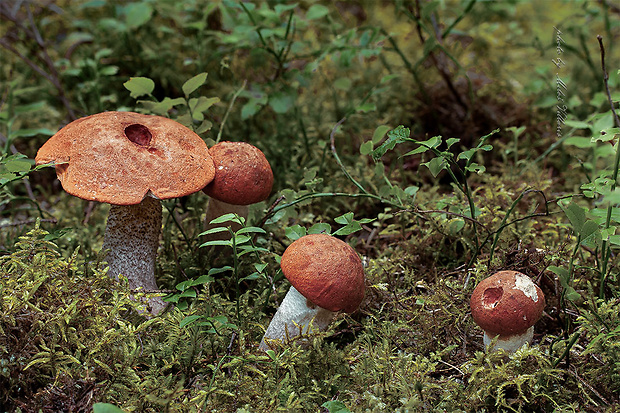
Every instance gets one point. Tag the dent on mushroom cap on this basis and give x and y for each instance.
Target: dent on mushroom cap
(138, 134)
(491, 296)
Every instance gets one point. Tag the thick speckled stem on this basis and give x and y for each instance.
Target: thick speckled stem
(132, 238)
(216, 209)
(512, 343)
(293, 319)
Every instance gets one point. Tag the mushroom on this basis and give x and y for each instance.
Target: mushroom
(243, 176)
(507, 304)
(130, 161)
(326, 276)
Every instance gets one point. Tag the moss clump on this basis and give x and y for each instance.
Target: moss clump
(64, 334)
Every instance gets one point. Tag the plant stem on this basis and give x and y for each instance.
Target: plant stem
(606, 248)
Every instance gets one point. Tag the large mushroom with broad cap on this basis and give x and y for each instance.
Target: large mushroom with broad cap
(243, 176)
(326, 276)
(506, 305)
(131, 161)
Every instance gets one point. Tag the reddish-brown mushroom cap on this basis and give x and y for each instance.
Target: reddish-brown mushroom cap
(506, 303)
(118, 157)
(325, 270)
(243, 175)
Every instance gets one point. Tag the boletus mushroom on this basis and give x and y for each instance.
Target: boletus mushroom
(507, 304)
(130, 161)
(243, 176)
(326, 276)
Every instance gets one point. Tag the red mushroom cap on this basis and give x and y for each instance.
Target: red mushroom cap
(118, 157)
(506, 303)
(325, 270)
(243, 175)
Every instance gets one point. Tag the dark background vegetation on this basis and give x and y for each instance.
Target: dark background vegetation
(522, 177)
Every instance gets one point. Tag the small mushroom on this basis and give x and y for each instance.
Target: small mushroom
(507, 304)
(243, 176)
(326, 276)
(130, 161)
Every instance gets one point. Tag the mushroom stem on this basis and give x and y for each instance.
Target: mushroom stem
(294, 317)
(132, 239)
(510, 343)
(215, 209)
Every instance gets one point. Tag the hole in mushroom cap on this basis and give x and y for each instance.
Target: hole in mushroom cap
(491, 296)
(138, 134)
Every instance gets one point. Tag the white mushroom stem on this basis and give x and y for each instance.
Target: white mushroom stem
(510, 343)
(132, 238)
(294, 317)
(216, 209)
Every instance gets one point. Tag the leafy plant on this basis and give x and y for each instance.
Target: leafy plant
(189, 111)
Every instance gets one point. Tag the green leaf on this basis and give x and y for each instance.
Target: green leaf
(589, 227)
(436, 165)
(316, 11)
(189, 319)
(379, 133)
(336, 406)
(579, 142)
(215, 243)
(349, 229)
(254, 104)
(516, 131)
(205, 126)
(137, 14)
(454, 226)
(474, 167)
(31, 132)
(162, 108)
(194, 83)
(320, 228)
(606, 135)
(614, 239)
(250, 229)
(451, 141)
(433, 142)
(366, 148)
(241, 239)
(108, 71)
(213, 231)
(576, 215)
(18, 165)
(106, 408)
(228, 218)
(139, 86)
(343, 83)
(202, 104)
(561, 272)
(577, 124)
(260, 267)
(203, 279)
(188, 293)
(344, 219)
(295, 232)
(366, 107)
(395, 136)
(281, 102)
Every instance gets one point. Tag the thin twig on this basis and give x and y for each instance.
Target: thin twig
(332, 139)
(230, 106)
(606, 80)
(606, 248)
(270, 211)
